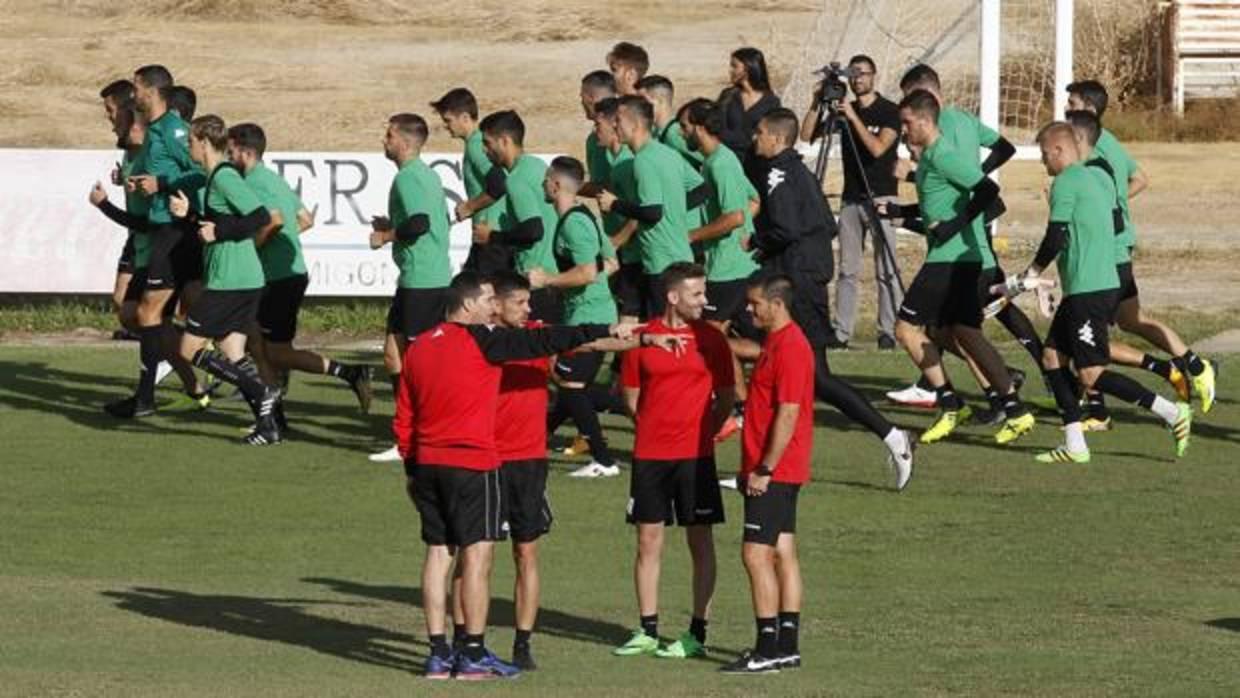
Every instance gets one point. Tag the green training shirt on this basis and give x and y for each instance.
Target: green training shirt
(1081, 201)
(231, 265)
(423, 263)
(731, 191)
(526, 200)
(1109, 149)
(165, 154)
(945, 176)
(138, 205)
(622, 181)
(673, 137)
(580, 240)
(660, 175)
(965, 131)
(475, 167)
(281, 256)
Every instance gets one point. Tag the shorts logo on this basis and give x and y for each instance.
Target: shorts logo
(703, 512)
(907, 310)
(753, 527)
(774, 178)
(192, 322)
(1086, 334)
(504, 527)
(628, 509)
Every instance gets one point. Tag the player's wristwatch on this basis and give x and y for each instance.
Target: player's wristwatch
(763, 471)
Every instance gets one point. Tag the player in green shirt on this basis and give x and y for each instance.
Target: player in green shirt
(968, 135)
(530, 224)
(616, 176)
(284, 268)
(458, 109)
(583, 260)
(660, 204)
(174, 260)
(952, 195)
(417, 227)
(1081, 235)
(1130, 179)
(118, 106)
(596, 86)
(231, 215)
(667, 129)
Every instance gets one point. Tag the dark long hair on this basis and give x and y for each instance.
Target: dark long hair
(755, 67)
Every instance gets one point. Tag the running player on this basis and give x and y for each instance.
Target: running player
(678, 402)
(1080, 233)
(1131, 180)
(660, 206)
(226, 312)
(284, 269)
(458, 109)
(529, 219)
(776, 448)
(614, 173)
(583, 255)
(968, 135)
(445, 428)
(118, 106)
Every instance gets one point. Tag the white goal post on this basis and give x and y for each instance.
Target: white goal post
(1006, 60)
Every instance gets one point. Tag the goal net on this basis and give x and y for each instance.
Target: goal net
(946, 35)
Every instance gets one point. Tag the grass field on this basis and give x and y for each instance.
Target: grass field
(160, 558)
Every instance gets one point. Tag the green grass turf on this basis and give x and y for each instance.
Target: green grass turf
(162, 558)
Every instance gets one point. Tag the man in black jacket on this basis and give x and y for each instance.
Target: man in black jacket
(792, 236)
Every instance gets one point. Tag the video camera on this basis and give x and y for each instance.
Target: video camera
(834, 86)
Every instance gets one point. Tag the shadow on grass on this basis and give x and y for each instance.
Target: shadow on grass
(550, 621)
(1232, 624)
(276, 620)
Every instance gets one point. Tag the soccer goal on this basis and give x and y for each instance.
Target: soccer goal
(1006, 60)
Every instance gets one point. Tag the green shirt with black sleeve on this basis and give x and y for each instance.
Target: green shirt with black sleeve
(281, 255)
(526, 201)
(231, 265)
(946, 176)
(1081, 202)
(423, 261)
(731, 191)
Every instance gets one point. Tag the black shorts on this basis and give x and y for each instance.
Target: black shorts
(653, 296)
(187, 259)
(278, 309)
(626, 287)
(416, 310)
(218, 314)
(137, 286)
(943, 294)
(457, 506)
(1079, 328)
(488, 258)
(725, 300)
(525, 498)
(773, 513)
(124, 265)
(161, 271)
(684, 492)
(580, 367)
(1127, 283)
(546, 305)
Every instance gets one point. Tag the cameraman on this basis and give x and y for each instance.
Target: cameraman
(874, 123)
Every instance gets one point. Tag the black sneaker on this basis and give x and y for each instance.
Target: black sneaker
(360, 383)
(789, 661)
(834, 342)
(265, 433)
(886, 342)
(751, 662)
(523, 659)
(129, 408)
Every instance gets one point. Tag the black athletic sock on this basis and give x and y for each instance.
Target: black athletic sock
(458, 637)
(1012, 406)
(1096, 405)
(1061, 381)
(767, 644)
(439, 646)
(239, 375)
(345, 372)
(845, 398)
(1193, 362)
(650, 625)
(150, 352)
(1017, 322)
(924, 383)
(697, 628)
(522, 639)
(576, 402)
(474, 647)
(947, 398)
(1153, 364)
(1124, 388)
(993, 397)
(789, 632)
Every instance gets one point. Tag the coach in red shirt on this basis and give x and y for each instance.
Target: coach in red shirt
(678, 401)
(445, 428)
(776, 447)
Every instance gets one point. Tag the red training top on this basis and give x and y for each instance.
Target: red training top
(521, 418)
(784, 374)
(674, 407)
